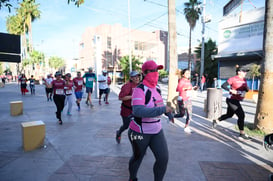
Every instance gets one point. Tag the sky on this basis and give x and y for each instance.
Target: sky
(59, 29)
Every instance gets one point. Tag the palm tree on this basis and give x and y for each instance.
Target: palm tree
(264, 111)
(76, 2)
(56, 62)
(125, 65)
(6, 4)
(192, 11)
(29, 12)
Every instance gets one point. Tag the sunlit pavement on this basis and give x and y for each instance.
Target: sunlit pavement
(84, 147)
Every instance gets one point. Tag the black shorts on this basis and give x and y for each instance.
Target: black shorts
(104, 91)
(49, 90)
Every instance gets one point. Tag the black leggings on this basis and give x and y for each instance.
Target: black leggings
(185, 107)
(234, 107)
(158, 145)
(59, 102)
(125, 125)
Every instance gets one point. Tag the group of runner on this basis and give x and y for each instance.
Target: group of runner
(63, 87)
(142, 105)
(23, 84)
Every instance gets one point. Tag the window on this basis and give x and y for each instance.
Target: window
(109, 42)
(136, 45)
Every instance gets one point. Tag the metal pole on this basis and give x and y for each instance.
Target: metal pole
(129, 36)
(203, 39)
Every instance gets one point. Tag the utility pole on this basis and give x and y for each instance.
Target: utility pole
(129, 36)
(203, 39)
(172, 53)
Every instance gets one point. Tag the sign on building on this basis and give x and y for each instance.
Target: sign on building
(10, 48)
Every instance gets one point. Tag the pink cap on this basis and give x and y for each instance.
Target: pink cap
(151, 65)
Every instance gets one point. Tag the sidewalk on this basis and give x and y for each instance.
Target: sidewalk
(84, 147)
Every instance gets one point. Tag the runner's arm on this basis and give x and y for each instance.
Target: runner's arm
(142, 111)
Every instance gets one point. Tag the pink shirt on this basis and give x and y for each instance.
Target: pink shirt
(138, 98)
(184, 88)
(238, 84)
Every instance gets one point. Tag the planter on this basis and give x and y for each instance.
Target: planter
(252, 95)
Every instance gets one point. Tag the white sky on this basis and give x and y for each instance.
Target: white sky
(58, 31)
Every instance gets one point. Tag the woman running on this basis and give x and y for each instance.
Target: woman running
(58, 97)
(146, 130)
(68, 93)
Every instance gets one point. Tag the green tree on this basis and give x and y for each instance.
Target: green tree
(37, 58)
(5, 3)
(76, 2)
(254, 72)
(192, 11)
(162, 73)
(210, 66)
(124, 63)
(28, 13)
(56, 62)
(14, 25)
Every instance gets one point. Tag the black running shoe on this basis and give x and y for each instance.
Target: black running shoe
(177, 116)
(244, 137)
(118, 137)
(214, 124)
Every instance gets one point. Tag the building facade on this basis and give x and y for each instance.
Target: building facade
(102, 46)
(240, 42)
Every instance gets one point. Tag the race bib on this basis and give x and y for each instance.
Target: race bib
(241, 93)
(68, 92)
(90, 79)
(189, 93)
(31, 83)
(80, 82)
(23, 82)
(59, 91)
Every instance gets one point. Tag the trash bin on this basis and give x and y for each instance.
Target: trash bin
(214, 103)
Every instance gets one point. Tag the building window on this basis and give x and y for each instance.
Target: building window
(136, 45)
(82, 45)
(109, 42)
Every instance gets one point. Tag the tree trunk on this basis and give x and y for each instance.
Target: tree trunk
(189, 62)
(30, 35)
(264, 112)
(172, 55)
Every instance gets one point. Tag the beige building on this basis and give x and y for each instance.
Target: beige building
(100, 46)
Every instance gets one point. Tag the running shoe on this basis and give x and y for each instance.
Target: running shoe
(91, 105)
(177, 116)
(69, 114)
(60, 122)
(86, 102)
(99, 103)
(214, 123)
(187, 130)
(79, 108)
(106, 102)
(244, 137)
(118, 137)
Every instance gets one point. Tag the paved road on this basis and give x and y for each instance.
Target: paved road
(84, 147)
